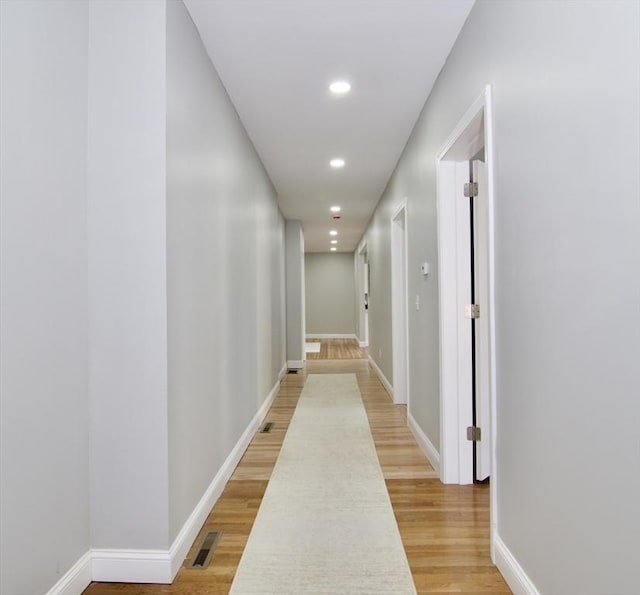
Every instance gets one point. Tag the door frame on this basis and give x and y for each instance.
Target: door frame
(361, 285)
(473, 131)
(399, 303)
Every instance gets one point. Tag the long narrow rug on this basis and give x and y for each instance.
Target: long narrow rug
(325, 525)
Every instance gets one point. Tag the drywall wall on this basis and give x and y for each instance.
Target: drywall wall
(127, 275)
(225, 272)
(44, 435)
(140, 237)
(566, 89)
(330, 291)
(295, 287)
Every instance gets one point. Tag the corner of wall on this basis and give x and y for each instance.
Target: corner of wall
(510, 568)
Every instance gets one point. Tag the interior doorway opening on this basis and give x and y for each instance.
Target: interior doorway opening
(399, 308)
(467, 326)
(362, 270)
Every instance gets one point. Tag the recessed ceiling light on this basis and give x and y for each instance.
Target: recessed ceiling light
(333, 249)
(337, 162)
(335, 209)
(339, 87)
(334, 241)
(333, 232)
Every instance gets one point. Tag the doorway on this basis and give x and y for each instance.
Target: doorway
(467, 325)
(399, 295)
(362, 270)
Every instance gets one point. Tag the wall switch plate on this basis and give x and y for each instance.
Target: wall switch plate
(424, 268)
(417, 302)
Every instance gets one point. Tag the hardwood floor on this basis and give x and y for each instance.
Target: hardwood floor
(444, 528)
(337, 349)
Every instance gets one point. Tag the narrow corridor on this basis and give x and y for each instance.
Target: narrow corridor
(444, 528)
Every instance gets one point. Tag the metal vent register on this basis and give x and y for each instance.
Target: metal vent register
(203, 557)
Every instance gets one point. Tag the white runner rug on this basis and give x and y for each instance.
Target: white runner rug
(312, 347)
(325, 525)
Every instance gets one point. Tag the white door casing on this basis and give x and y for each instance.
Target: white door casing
(399, 307)
(483, 385)
(362, 278)
(471, 135)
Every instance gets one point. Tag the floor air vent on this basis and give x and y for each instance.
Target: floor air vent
(290, 371)
(267, 427)
(203, 557)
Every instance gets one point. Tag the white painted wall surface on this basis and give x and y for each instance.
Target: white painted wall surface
(330, 291)
(566, 88)
(44, 435)
(127, 274)
(225, 271)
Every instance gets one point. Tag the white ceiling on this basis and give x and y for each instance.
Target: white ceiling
(276, 59)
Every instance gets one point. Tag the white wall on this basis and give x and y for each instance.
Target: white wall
(225, 240)
(127, 275)
(330, 291)
(566, 87)
(44, 448)
(142, 274)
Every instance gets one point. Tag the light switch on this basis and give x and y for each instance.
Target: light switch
(417, 302)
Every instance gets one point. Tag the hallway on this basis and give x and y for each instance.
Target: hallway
(186, 198)
(444, 528)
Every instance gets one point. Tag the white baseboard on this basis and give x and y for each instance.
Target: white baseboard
(331, 336)
(192, 526)
(295, 364)
(161, 566)
(131, 566)
(364, 344)
(383, 378)
(76, 579)
(426, 446)
(517, 579)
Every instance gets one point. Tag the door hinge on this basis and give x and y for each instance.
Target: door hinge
(471, 189)
(472, 311)
(473, 434)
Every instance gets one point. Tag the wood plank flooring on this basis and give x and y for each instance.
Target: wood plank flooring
(444, 528)
(337, 349)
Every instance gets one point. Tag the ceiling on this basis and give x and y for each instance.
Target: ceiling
(276, 59)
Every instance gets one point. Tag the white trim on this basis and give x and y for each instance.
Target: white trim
(381, 376)
(282, 372)
(330, 336)
(131, 566)
(489, 155)
(295, 364)
(161, 566)
(364, 344)
(76, 579)
(399, 300)
(476, 107)
(196, 519)
(426, 446)
(464, 139)
(517, 579)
